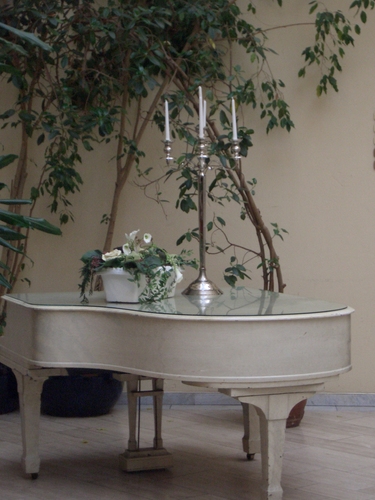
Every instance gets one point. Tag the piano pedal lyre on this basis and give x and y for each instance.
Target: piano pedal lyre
(135, 458)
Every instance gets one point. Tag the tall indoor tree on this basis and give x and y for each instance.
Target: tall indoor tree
(42, 113)
(168, 49)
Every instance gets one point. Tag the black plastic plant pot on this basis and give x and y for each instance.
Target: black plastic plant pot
(8, 391)
(83, 393)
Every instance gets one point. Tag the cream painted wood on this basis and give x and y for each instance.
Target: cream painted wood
(136, 458)
(265, 349)
(251, 437)
(30, 384)
(29, 390)
(273, 411)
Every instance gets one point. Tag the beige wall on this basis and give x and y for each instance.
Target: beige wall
(317, 182)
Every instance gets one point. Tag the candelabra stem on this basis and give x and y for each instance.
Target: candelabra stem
(202, 217)
(202, 285)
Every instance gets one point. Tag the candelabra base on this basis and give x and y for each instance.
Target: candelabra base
(202, 287)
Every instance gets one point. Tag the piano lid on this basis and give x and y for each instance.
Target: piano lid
(240, 301)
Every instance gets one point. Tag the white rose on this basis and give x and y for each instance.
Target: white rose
(111, 255)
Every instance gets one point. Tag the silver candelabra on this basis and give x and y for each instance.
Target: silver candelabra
(202, 286)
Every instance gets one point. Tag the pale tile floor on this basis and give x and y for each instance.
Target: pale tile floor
(330, 456)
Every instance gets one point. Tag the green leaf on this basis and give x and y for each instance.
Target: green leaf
(32, 222)
(29, 37)
(25, 116)
(86, 257)
(87, 146)
(16, 48)
(5, 244)
(314, 7)
(9, 234)
(7, 114)
(231, 280)
(34, 193)
(64, 61)
(6, 160)
(180, 239)
(222, 221)
(40, 139)
(17, 81)
(223, 118)
(363, 16)
(5, 282)
(15, 202)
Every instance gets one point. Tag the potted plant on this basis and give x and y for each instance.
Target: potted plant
(138, 271)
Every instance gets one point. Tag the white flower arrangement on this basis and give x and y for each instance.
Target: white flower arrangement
(138, 256)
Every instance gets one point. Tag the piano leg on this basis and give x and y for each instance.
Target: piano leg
(158, 386)
(136, 458)
(30, 390)
(273, 411)
(133, 395)
(251, 438)
(132, 386)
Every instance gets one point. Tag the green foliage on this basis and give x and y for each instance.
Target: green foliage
(43, 111)
(210, 35)
(234, 271)
(277, 231)
(10, 228)
(333, 32)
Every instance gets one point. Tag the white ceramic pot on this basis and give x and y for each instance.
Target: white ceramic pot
(119, 286)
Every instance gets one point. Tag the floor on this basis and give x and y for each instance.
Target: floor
(330, 456)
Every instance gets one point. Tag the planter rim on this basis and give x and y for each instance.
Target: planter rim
(120, 270)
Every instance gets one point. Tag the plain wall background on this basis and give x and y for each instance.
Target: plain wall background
(317, 182)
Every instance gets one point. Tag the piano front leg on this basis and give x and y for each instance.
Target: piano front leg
(30, 390)
(273, 411)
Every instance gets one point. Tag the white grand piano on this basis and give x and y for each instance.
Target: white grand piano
(265, 349)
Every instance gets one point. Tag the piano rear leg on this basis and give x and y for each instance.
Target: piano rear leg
(132, 386)
(251, 438)
(29, 390)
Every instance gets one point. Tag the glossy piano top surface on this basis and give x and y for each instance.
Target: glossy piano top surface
(234, 302)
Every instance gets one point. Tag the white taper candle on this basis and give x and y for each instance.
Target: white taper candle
(167, 132)
(200, 113)
(234, 121)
